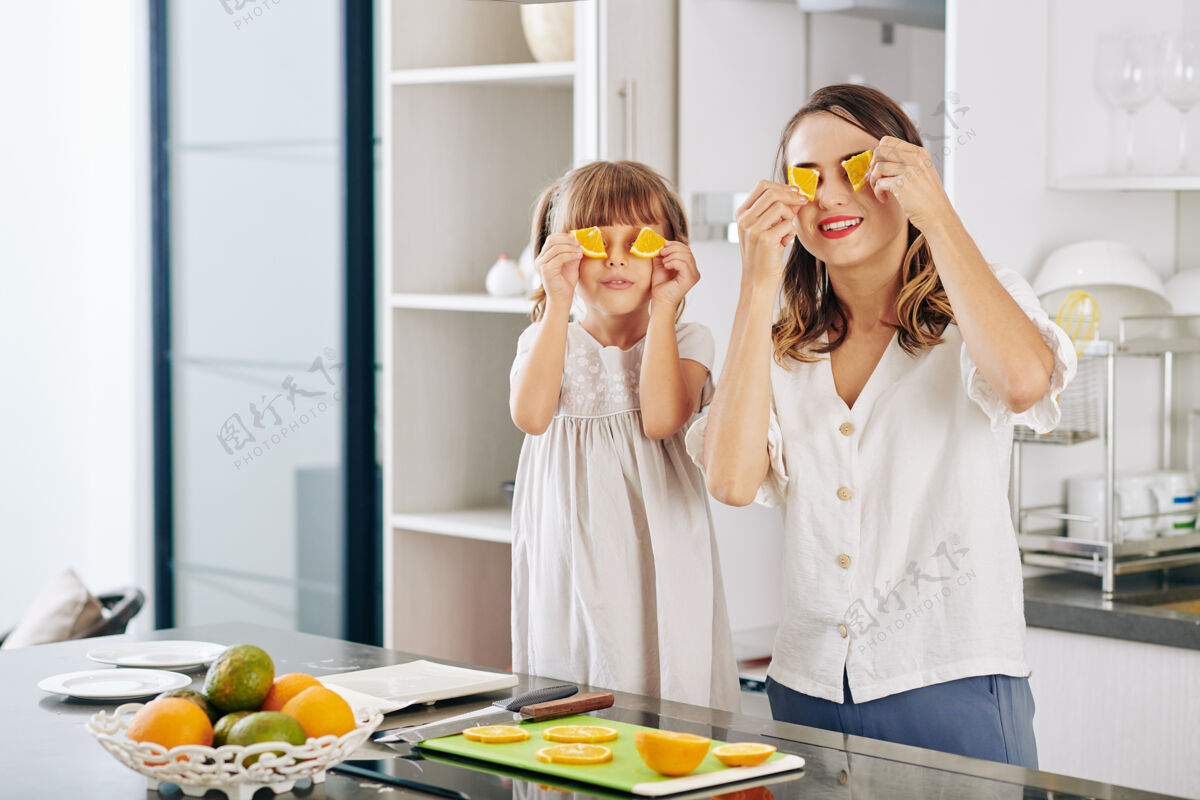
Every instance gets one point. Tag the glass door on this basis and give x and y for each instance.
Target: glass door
(259, 375)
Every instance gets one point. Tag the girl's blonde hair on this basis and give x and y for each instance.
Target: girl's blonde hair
(810, 307)
(605, 193)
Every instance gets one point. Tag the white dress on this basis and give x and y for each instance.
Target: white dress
(616, 580)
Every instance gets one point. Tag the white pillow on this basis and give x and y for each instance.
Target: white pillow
(62, 610)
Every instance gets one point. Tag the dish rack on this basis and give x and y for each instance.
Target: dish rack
(1089, 412)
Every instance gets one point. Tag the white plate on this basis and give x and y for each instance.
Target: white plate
(392, 688)
(113, 684)
(163, 654)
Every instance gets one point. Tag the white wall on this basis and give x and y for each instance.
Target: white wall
(74, 308)
(734, 100)
(997, 178)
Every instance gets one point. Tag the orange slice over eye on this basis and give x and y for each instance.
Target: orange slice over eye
(743, 754)
(575, 754)
(648, 244)
(496, 734)
(592, 241)
(805, 180)
(856, 168)
(587, 734)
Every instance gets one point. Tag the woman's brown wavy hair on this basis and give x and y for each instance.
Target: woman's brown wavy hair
(810, 307)
(605, 193)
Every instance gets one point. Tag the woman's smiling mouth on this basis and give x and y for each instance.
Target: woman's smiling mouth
(837, 227)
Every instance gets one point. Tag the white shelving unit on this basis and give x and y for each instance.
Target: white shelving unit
(473, 128)
(557, 73)
(1127, 183)
(430, 301)
(484, 524)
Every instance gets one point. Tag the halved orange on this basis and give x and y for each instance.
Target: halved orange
(588, 734)
(856, 168)
(648, 244)
(592, 241)
(671, 753)
(496, 734)
(805, 180)
(743, 754)
(575, 754)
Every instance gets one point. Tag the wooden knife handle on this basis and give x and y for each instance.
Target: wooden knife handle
(552, 709)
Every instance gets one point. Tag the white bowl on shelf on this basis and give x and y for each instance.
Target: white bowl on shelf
(1116, 276)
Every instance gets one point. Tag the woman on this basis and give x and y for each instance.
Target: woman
(878, 410)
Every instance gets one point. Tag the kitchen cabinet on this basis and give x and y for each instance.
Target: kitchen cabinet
(472, 128)
(1116, 711)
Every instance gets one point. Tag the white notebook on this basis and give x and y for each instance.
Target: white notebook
(392, 688)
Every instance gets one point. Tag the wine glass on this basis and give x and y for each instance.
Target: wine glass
(1179, 80)
(1125, 77)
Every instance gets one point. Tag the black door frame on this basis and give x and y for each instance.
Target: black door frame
(362, 575)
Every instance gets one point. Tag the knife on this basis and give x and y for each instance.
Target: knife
(540, 704)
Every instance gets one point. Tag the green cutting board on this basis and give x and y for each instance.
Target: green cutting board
(625, 773)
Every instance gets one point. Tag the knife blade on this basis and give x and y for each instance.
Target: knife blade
(518, 709)
(510, 704)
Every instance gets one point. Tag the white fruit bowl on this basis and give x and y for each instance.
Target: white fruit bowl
(196, 769)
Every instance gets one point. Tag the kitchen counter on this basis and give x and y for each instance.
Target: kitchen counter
(1071, 602)
(50, 753)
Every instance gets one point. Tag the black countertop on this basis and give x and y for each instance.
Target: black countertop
(1072, 602)
(47, 751)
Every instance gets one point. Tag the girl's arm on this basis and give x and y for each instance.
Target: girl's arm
(735, 443)
(533, 398)
(669, 387)
(1005, 345)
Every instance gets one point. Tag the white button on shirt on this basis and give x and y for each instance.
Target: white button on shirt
(911, 483)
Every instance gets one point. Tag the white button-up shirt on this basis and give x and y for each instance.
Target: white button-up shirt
(900, 558)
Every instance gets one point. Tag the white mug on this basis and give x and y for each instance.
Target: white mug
(1132, 497)
(1171, 489)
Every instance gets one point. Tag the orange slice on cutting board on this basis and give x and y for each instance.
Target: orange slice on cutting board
(805, 180)
(856, 168)
(592, 241)
(575, 754)
(586, 734)
(496, 734)
(648, 244)
(670, 753)
(743, 754)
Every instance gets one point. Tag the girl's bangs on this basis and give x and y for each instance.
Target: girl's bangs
(614, 200)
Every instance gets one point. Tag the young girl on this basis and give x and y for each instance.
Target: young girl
(616, 581)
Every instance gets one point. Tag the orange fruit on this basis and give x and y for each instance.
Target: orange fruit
(575, 754)
(592, 241)
(648, 244)
(587, 734)
(170, 721)
(496, 734)
(285, 688)
(671, 753)
(320, 712)
(805, 180)
(856, 168)
(743, 754)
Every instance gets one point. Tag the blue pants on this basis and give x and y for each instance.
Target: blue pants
(990, 717)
